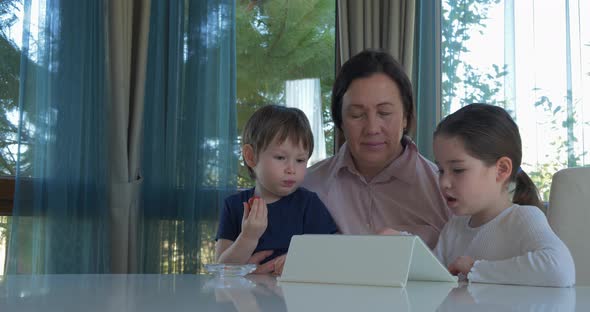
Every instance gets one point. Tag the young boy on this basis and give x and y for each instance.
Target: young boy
(276, 143)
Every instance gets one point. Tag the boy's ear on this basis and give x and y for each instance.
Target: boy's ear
(249, 157)
(503, 169)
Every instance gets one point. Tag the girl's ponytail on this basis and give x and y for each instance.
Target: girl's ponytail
(526, 192)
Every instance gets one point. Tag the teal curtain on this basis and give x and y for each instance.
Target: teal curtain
(190, 151)
(59, 222)
(426, 75)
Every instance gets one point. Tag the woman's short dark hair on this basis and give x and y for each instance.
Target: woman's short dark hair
(280, 122)
(488, 133)
(364, 65)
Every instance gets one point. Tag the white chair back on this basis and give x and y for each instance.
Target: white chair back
(569, 216)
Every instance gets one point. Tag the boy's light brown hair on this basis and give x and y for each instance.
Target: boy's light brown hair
(272, 122)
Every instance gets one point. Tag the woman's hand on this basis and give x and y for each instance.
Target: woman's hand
(279, 264)
(255, 218)
(461, 265)
(388, 231)
(274, 266)
(257, 258)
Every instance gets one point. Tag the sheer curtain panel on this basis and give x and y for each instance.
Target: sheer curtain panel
(60, 218)
(190, 146)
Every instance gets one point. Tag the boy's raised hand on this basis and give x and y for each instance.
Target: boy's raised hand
(255, 218)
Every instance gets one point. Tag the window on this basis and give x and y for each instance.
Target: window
(533, 59)
(10, 29)
(285, 55)
(10, 32)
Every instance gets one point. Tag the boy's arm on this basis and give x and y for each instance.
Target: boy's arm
(237, 252)
(254, 222)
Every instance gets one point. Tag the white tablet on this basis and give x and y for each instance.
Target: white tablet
(373, 260)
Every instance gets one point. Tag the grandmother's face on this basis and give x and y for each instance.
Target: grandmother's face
(373, 122)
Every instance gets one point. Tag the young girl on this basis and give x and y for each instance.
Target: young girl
(499, 233)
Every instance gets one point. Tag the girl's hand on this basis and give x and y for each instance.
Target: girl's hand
(462, 265)
(255, 219)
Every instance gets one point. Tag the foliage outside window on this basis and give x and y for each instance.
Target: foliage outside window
(10, 27)
(533, 59)
(281, 42)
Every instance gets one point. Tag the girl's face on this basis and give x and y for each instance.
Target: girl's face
(469, 186)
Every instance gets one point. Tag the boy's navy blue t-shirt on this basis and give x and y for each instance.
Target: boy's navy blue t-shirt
(301, 212)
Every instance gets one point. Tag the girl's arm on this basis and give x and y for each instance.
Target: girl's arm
(440, 246)
(545, 267)
(548, 263)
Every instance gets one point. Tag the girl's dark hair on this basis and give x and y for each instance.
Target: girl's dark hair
(489, 133)
(364, 65)
(280, 122)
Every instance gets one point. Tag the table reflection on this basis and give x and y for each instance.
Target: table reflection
(491, 297)
(322, 297)
(255, 293)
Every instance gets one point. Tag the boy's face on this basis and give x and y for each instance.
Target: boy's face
(279, 169)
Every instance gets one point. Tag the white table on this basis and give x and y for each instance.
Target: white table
(263, 293)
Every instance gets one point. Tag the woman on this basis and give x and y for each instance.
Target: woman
(378, 179)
